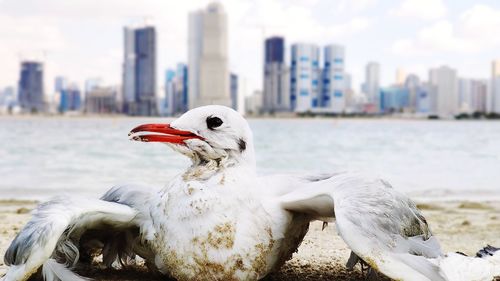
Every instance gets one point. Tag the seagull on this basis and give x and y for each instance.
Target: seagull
(219, 220)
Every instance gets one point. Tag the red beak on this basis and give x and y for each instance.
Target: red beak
(168, 134)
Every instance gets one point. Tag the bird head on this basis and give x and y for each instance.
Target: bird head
(204, 134)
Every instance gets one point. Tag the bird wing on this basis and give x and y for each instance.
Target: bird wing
(381, 226)
(58, 229)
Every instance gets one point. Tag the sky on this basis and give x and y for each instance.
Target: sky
(82, 39)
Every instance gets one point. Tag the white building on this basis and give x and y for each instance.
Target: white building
(334, 79)
(371, 86)
(464, 95)
(479, 95)
(253, 103)
(304, 77)
(208, 57)
(424, 99)
(445, 102)
(495, 87)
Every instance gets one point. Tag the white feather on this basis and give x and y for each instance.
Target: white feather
(54, 271)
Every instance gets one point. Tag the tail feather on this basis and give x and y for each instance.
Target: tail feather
(487, 251)
(492, 254)
(54, 271)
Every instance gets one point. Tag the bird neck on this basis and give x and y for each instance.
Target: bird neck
(203, 168)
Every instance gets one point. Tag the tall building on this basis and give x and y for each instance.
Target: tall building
(208, 57)
(70, 98)
(195, 45)
(176, 88)
(128, 84)
(424, 99)
(464, 95)
(233, 81)
(139, 73)
(400, 76)
(334, 83)
(276, 94)
(170, 94)
(495, 87)
(371, 87)
(478, 96)
(304, 77)
(31, 93)
(414, 86)
(182, 87)
(145, 71)
(445, 102)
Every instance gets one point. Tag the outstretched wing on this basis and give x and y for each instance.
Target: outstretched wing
(381, 226)
(58, 228)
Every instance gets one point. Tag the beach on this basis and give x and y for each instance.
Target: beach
(459, 225)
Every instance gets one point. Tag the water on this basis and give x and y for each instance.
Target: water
(42, 157)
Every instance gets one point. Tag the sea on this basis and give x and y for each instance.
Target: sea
(41, 157)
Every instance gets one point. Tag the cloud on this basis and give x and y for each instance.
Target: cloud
(420, 9)
(355, 6)
(80, 35)
(26, 38)
(472, 33)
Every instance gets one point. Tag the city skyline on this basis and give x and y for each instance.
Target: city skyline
(431, 33)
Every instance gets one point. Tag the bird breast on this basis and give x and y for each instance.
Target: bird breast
(210, 231)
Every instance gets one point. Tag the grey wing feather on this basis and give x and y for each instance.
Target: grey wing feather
(124, 245)
(372, 218)
(54, 230)
(36, 231)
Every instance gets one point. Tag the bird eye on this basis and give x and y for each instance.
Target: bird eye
(213, 122)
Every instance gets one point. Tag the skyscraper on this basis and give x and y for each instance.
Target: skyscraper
(304, 77)
(495, 87)
(276, 93)
(145, 71)
(31, 94)
(170, 94)
(333, 84)
(445, 102)
(234, 90)
(371, 86)
(182, 87)
(128, 84)
(195, 45)
(175, 91)
(208, 57)
(478, 97)
(139, 71)
(464, 95)
(412, 83)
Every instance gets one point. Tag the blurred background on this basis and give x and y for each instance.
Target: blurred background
(407, 90)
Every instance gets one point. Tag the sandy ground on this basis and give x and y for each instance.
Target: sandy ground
(460, 226)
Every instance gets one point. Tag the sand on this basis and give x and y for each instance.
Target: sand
(460, 226)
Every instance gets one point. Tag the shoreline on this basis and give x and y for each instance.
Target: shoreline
(463, 225)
